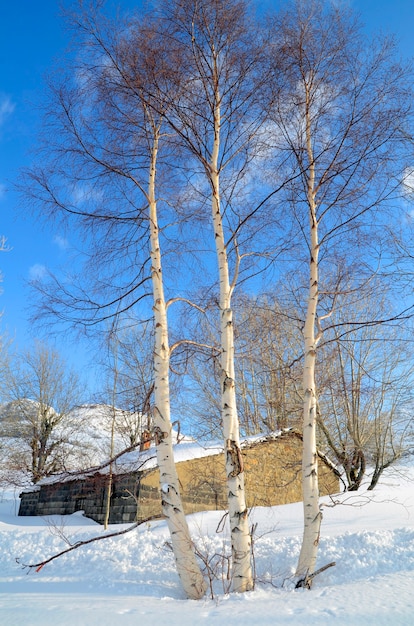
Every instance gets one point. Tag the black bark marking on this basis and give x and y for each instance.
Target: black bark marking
(234, 457)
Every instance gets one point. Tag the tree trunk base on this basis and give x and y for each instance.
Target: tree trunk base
(306, 582)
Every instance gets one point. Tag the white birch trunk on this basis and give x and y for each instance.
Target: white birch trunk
(242, 579)
(310, 486)
(187, 566)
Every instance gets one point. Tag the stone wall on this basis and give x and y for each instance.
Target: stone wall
(272, 475)
(86, 494)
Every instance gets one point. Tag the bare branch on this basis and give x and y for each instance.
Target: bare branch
(79, 544)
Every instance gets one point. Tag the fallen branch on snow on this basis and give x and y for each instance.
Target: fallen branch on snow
(38, 566)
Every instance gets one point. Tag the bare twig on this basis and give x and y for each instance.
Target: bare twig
(306, 582)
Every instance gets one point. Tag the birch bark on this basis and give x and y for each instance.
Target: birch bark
(238, 514)
(312, 513)
(187, 566)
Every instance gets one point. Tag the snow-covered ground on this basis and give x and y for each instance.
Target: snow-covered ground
(131, 579)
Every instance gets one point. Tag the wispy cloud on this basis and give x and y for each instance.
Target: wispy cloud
(37, 271)
(85, 193)
(6, 108)
(61, 242)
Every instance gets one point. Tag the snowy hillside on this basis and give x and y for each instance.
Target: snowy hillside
(82, 439)
(132, 580)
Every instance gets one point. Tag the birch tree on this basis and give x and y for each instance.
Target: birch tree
(340, 102)
(107, 152)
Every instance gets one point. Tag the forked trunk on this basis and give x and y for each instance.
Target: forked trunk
(187, 566)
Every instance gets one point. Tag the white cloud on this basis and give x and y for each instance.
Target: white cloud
(6, 108)
(61, 242)
(37, 271)
(408, 181)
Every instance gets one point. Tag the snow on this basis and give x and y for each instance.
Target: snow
(131, 579)
(185, 449)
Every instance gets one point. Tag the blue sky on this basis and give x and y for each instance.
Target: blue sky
(32, 35)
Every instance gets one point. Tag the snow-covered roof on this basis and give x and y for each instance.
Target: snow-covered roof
(184, 449)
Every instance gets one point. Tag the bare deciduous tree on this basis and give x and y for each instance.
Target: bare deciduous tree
(128, 364)
(366, 393)
(268, 354)
(339, 105)
(100, 173)
(37, 419)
